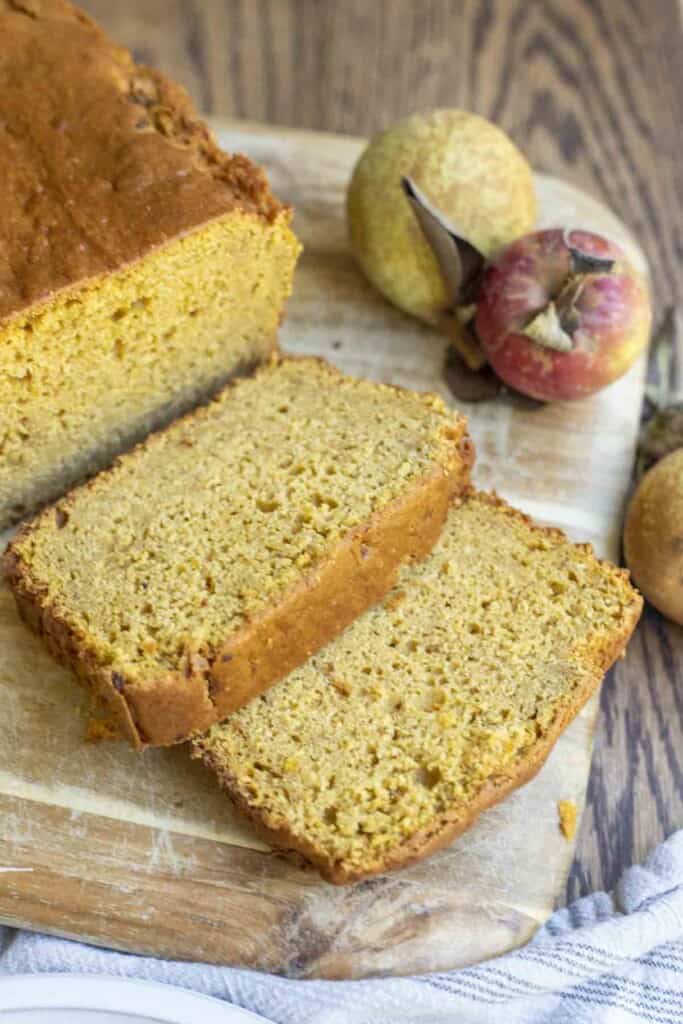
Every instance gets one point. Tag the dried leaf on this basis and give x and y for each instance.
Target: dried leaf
(460, 263)
(466, 384)
(554, 326)
(665, 366)
(482, 385)
(662, 435)
(547, 329)
(662, 428)
(585, 262)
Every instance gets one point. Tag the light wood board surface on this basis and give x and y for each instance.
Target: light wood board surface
(592, 92)
(144, 853)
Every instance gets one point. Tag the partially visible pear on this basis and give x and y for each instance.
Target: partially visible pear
(468, 169)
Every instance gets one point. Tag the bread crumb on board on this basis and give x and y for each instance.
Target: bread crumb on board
(98, 729)
(568, 814)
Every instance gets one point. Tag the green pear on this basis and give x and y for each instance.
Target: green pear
(468, 169)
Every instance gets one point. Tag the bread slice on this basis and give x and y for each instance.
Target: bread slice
(222, 552)
(140, 267)
(433, 706)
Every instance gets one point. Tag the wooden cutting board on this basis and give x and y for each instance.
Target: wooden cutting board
(144, 853)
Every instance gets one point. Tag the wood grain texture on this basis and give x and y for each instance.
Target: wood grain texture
(148, 836)
(593, 92)
(591, 89)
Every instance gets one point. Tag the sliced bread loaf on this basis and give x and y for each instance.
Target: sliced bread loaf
(434, 705)
(140, 266)
(218, 555)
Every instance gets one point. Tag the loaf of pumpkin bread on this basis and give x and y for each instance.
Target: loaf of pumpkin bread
(140, 266)
(434, 705)
(223, 551)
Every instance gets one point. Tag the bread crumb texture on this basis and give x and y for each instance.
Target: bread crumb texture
(140, 266)
(155, 563)
(429, 705)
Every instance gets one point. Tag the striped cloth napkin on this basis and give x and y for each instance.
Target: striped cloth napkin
(607, 959)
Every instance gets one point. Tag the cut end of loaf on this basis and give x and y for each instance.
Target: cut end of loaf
(433, 705)
(134, 349)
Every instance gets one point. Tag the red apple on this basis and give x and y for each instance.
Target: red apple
(561, 314)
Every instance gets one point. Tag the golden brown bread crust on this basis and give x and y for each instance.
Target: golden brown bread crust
(101, 160)
(357, 574)
(449, 825)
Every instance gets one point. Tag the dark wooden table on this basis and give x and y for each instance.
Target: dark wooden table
(592, 90)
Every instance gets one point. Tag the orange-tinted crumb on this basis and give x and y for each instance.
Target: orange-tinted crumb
(568, 814)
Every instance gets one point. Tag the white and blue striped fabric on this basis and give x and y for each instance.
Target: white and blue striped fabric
(607, 959)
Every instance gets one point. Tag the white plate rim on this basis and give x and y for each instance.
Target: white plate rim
(52, 991)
